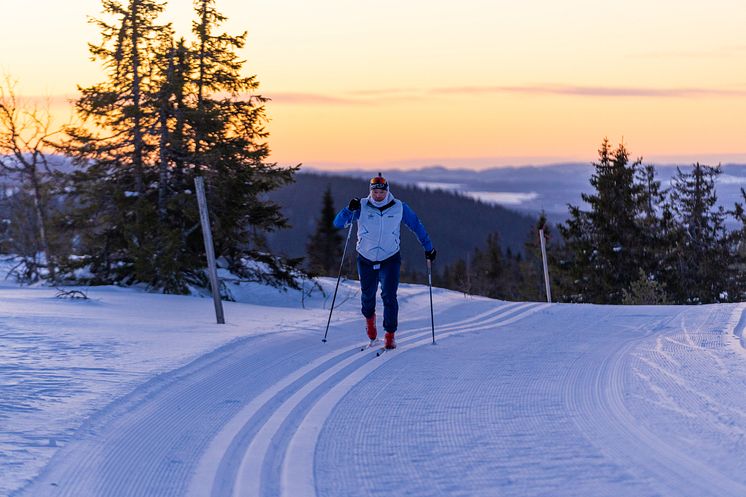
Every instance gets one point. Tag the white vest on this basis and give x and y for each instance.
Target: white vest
(378, 233)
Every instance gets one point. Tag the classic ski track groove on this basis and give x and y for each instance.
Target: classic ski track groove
(267, 445)
(107, 451)
(226, 442)
(143, 419)
(297, 477)
(249, 477)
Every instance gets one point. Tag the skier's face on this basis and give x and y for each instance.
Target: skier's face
(378, 194)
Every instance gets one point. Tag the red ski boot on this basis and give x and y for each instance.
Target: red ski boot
(370, 327)
(388, 340)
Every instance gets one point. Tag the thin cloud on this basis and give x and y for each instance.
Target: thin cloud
(367, 97)
(312, 98)
(722, 52)
(386, 92)
(593, 91)
(356, 97)
(377, 96)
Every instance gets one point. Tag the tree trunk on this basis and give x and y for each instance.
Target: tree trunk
(137, 132)
(41, 218)
(201, 86)
(164, 141)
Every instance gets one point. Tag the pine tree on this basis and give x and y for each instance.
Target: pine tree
(325, 245)
(531, 266)
(605, 244)
(645, 291)
(703, 243)
(658, 237)
(177, 253)
(229, 148)
(115, 148)
(488, 269)
(738, 244)
(458, 277)
(167, 113)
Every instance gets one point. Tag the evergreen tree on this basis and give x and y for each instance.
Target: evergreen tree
(703, 244)
(738, 245)
(531, 266)
(605, 244)
(658, 237)
(229, 148)
(512, 276)
(325, 246)
(645, 291)
(167, 113)
(489, 270)
(457, 277)
(115, 147)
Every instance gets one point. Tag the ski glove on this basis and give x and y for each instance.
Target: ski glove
(354, 204)
(430, 254)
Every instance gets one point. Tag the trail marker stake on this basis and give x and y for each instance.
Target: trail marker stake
(546, 266)
(199, 183)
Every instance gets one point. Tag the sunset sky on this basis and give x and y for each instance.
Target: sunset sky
(469, 83)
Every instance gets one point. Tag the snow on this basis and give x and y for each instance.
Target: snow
(503, 198)
(131, 393)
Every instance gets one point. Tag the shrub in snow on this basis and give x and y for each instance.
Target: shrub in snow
(645, 291)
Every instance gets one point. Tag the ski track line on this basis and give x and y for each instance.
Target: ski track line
(93, 447)
(131, 435)
(248, 478)
(603, 411)
(143, 433)
(297, 471)
(208, 468)
(508, 434)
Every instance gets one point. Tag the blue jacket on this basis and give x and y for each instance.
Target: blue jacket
(378, 229)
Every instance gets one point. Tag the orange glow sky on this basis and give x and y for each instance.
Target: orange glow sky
(474, 83)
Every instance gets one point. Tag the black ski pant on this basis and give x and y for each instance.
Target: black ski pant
(387, 273)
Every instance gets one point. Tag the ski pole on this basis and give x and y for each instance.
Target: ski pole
(341, 264)
(430, 281)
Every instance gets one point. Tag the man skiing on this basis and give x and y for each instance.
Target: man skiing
(379, 217)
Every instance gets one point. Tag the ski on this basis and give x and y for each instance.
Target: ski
(370, 345)
(382, 351)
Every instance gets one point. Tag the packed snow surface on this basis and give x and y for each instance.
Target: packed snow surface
(135, 394)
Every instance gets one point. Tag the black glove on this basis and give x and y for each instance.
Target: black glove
(430, 254)
(354, 204)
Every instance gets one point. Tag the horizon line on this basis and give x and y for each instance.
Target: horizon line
(482, 163)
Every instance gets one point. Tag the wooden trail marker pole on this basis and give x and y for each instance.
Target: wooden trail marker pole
(546, 266)
(199, 183)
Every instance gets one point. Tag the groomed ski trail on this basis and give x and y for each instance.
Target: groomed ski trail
(565, 410)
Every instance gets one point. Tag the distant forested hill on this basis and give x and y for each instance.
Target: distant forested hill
(456, 224)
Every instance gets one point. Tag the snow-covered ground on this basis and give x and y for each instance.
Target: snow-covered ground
(136, 394)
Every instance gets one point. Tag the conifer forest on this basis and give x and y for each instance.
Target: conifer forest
(109, 197)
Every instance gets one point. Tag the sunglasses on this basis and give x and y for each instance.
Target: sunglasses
(379, 183)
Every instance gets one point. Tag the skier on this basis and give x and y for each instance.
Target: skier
(379, 218)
